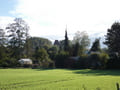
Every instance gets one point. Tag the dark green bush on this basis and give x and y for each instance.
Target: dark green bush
(9, 62)
(60, 59)
(97, 60)
(114, 62)
(82, 62)
(104, 58)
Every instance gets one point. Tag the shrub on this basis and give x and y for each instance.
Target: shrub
(51, 64)
(60, 59)
(82, 62)
(104, 57)
(114, 62)
(98, 60)
(9, 62)
(93, 61)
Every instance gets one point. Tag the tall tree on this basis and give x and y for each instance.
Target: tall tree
(38, 42)
(82, 41)
(35, 42)
(2, 42)
(17, 34)
(112, 39)
(96, 45)
(76, 49)
(2, 37)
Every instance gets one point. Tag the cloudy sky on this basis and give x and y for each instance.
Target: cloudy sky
(48, 18)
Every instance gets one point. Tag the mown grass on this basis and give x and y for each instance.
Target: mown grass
(58, 79)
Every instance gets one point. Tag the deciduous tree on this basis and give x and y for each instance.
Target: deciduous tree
(17, 34)
(82, 41)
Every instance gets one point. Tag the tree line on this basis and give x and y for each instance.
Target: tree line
(16, 43)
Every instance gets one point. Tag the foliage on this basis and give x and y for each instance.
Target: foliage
(105, 50)
(60, 59)
(76, 49)
(28, 51)
(104, 58)
(16, 43)
(83, 40)
(9, 62)
(41, 55)
(42, 58)
(113, 42)
(97, 60)
(113, 38)
(2, 37)
(114, 62)
(96, 46)
(3, 57)
(82, 62)
(17, 34)
(53, 51)
(39, 42)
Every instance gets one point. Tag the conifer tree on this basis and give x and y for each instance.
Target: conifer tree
(96, 46)
(112, 39)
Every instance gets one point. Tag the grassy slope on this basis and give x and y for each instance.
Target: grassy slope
(58, 79)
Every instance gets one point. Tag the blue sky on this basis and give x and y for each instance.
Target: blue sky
(48, 18)
(6, 6)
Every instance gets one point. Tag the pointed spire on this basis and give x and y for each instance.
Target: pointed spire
(66, 44)
(66, 31)
(66, 28)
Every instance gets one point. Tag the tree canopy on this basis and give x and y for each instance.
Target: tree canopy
(112, 39)
(81, 41)
(96, 46)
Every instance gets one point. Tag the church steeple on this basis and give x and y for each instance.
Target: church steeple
(66, 28)
(66, 33)
(66, 44)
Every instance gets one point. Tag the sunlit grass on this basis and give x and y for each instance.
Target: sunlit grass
(58, 79)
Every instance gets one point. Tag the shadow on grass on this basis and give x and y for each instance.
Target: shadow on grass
(43, 69)
(86, 71)
(98, 72)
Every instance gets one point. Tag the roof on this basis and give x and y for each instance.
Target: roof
(75, 58)
(25, 59)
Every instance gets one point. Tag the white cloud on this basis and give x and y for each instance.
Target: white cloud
(5, 20)
(49, 17)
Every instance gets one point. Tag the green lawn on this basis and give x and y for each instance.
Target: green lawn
(58, 79)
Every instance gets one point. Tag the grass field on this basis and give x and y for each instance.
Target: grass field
(58, 79)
